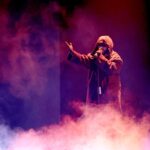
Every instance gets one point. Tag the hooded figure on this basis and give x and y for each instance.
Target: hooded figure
(104, 66)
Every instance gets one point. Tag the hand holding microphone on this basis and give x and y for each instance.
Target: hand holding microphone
(100, 55)
(98, 52)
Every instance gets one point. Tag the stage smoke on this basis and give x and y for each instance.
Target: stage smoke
(98, 128)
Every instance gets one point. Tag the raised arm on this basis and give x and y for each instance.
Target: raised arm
(73, 51)
(78, 57)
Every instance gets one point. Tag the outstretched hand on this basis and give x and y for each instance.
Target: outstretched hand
(70, 46)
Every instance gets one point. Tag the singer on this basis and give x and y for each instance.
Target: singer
(104, 64)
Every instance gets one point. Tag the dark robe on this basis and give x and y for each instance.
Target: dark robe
(104, 83)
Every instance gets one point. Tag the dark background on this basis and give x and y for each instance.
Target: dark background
(38, 84)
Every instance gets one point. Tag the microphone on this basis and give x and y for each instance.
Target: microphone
(97, 54)
(97, 51)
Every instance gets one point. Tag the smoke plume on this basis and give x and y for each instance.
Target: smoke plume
(98, 128)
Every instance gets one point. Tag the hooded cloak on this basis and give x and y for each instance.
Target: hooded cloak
(104, 84)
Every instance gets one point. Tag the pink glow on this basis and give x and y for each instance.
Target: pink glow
(32, 73)
(100, 128)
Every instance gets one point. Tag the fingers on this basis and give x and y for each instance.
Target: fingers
(68, 43)
(90, 56)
